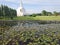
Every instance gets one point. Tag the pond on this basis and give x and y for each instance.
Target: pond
(13, 30)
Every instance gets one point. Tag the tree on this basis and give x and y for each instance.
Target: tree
(12, 13)
(55, 13)
(5, 11)
(49, 13)
(0, 12)
(44, 13)
(34, 15)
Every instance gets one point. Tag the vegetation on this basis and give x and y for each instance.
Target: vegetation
(29, 37)
(6, 12)
(46, 13)
(56, 18)
(16, 34)
(51, 18)
(10, 36)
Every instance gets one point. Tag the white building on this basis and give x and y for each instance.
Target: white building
(21, 10)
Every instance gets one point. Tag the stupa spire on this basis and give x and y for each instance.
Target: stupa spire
(21, 4)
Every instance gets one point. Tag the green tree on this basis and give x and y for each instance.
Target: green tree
(49, 13)
(44, 13)
(0, 12)
(55, 13)
(5, 11)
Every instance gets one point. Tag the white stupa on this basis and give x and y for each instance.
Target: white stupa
(21, 10)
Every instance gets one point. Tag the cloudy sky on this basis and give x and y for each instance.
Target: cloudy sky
(34, 6)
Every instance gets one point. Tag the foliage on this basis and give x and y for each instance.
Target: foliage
(46, 13)
(5, 11)
(30, 37)
(56, 13)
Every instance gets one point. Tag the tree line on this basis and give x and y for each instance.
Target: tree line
(5, 11)
(46, 13)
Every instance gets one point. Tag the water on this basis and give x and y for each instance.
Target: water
(35, 26)
(10, 31)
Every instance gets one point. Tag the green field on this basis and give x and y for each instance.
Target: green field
(57, 18)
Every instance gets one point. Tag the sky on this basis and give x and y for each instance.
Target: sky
(34, 6)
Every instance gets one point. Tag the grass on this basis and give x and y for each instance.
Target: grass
(57, 18)
(48, 18)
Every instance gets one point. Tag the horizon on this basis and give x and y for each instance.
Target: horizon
(34, 6)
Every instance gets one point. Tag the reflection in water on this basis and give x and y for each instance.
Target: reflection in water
(35, 26)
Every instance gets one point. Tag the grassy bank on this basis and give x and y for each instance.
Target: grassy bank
(57, 18)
